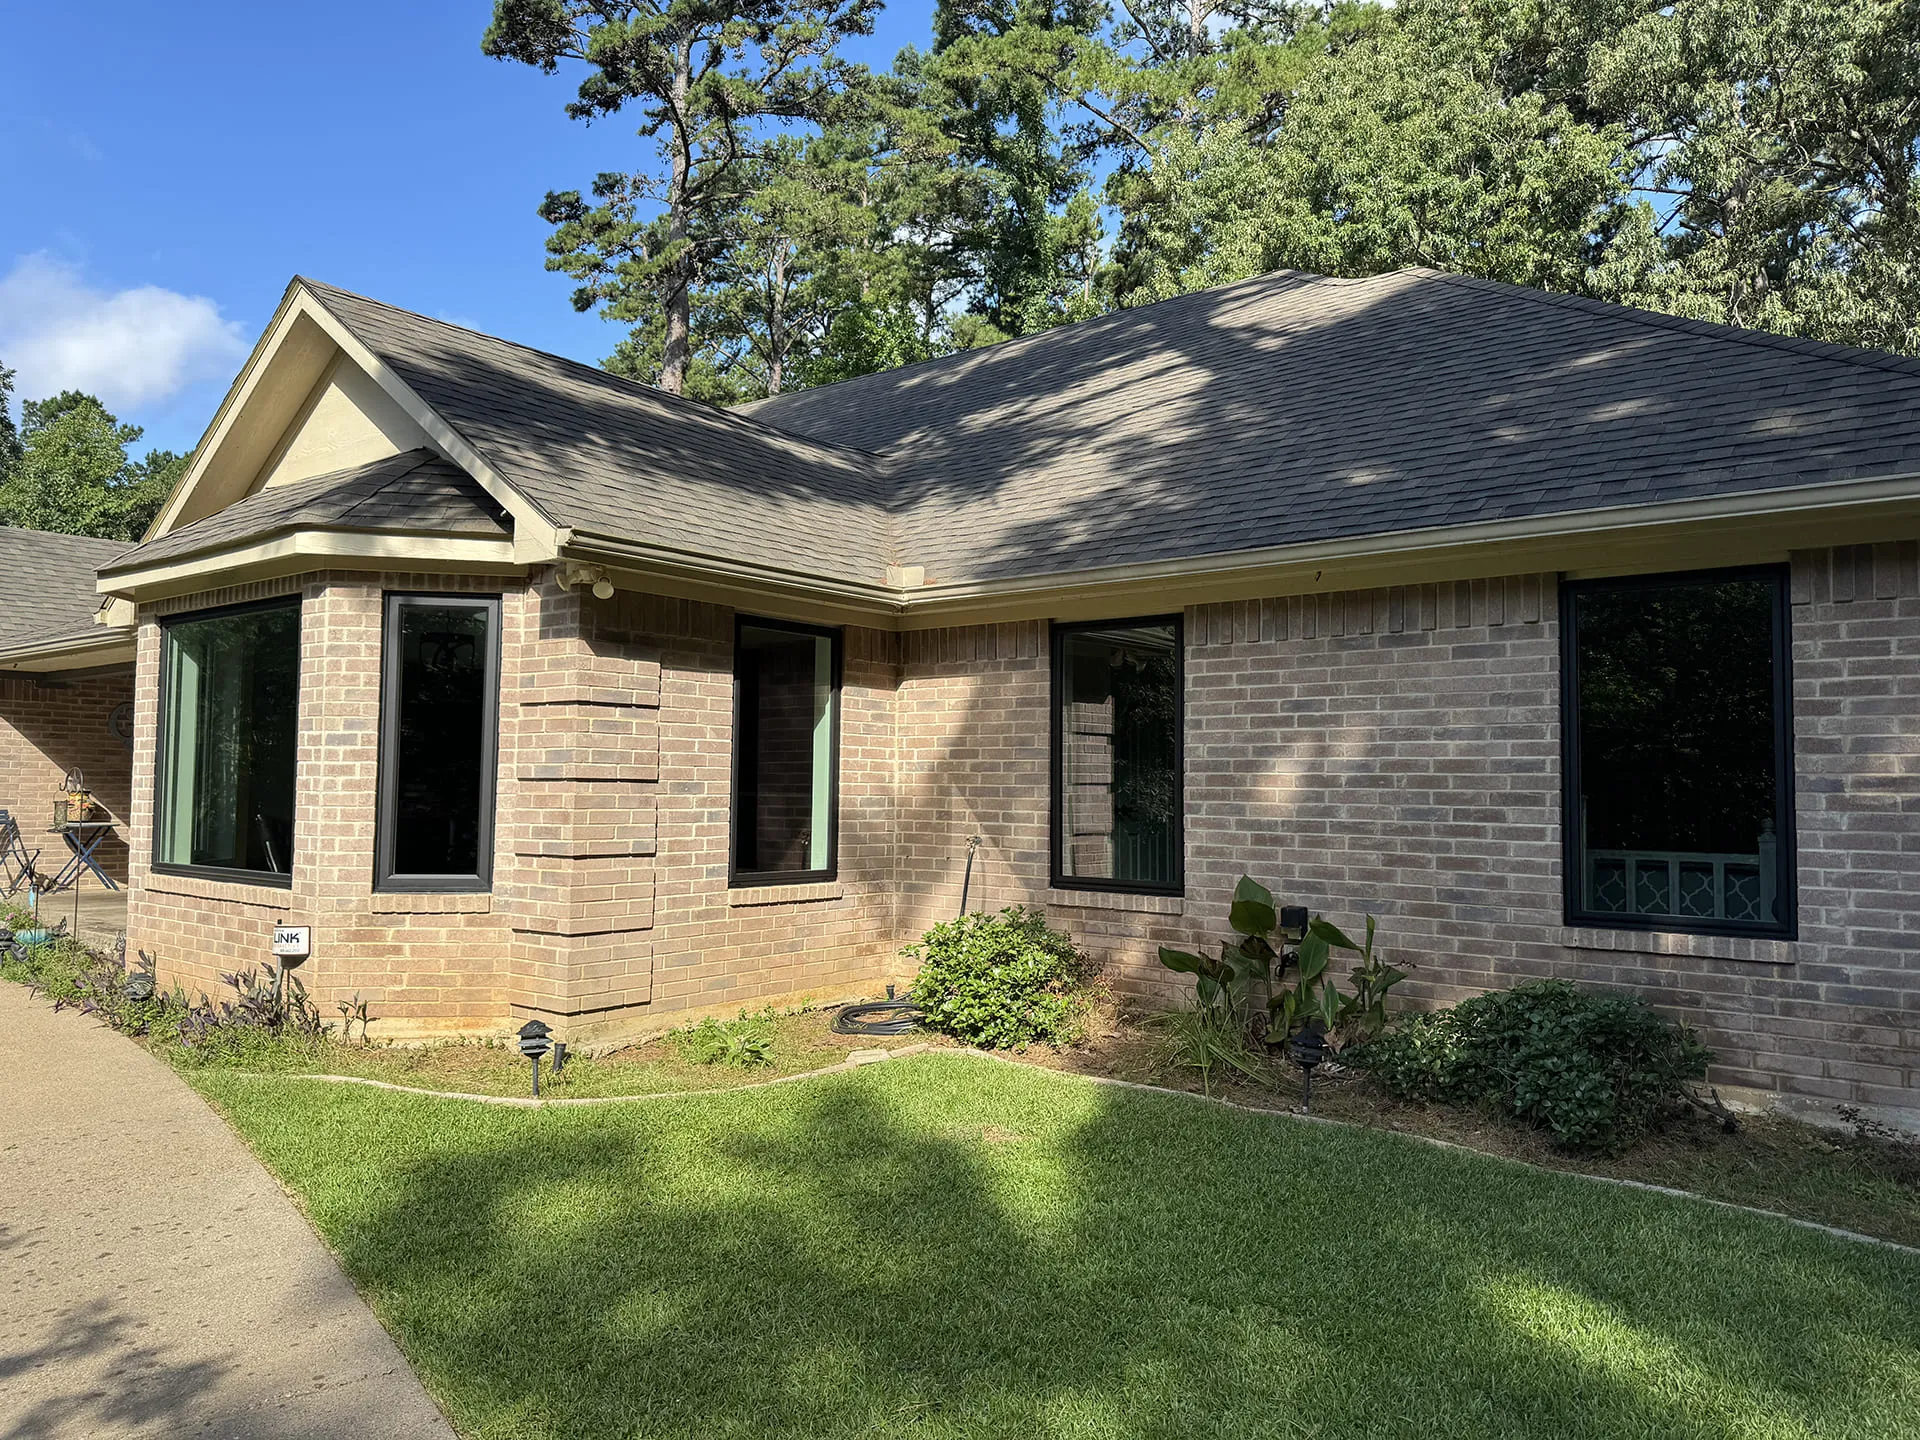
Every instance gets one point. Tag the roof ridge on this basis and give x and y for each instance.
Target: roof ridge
(597, 373)
(1081, 325)
(1663, 320)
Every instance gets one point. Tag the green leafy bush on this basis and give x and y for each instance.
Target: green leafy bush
(743, 1042)
(1596, 1070)
(1001, 980)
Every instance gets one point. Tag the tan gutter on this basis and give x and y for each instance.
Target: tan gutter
(103, 647)
(1732, 529)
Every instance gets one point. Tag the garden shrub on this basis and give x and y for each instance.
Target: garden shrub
(1595, 1070)
(1002, 980)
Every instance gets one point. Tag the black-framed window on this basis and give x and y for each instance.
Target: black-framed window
(1117, 756)
(229, 742)
(1677, 726)
(439, 710)
(786, 753)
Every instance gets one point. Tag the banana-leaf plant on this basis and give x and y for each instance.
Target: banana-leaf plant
(1225, 985)
(1312, 997)
(1363, 1014)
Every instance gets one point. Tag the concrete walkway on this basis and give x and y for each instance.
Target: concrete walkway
(154, 1279)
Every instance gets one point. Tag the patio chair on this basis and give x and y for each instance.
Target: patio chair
(16, 861)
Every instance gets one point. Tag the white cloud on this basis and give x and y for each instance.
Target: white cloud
(131, 347)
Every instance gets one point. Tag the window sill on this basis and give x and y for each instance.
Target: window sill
(271, 897)
(431, 902)
(1678, 943)
(1118, 900)
(784, 894)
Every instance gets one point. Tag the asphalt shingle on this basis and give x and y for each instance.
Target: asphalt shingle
(611, 457)
(413, 493)
(46, 585)
(1293, 408)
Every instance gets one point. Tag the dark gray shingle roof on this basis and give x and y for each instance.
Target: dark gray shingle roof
(1294, 408)
(46, 586)
(611, 457)
(414, 493)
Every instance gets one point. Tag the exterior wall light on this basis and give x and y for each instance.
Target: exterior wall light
(591, 576)
(533, 1044)
(1293, 923)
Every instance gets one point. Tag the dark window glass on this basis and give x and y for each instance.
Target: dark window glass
(785, 735)
(437, 743)
(1117, 755)
(1678, 750)
(229, 736)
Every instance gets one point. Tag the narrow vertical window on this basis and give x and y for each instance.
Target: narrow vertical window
(1679, 780)
(229, 739)
(786, 683)
(1116, 756)
(440, 699)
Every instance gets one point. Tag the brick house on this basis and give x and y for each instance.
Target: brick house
(1568, 640)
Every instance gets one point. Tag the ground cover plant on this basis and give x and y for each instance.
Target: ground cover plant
(1002, 980)
(252, 1028)
(945, 1246)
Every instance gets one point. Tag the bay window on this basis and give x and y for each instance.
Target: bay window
(228, 742)
(440, 698)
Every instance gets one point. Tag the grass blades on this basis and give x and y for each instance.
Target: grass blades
(940, 1247)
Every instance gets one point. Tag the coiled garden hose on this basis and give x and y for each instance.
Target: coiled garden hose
(878, 1017)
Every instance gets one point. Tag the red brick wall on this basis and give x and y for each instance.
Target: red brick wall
(48, 726)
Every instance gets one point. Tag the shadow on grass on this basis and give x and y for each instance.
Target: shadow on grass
(949, 1248)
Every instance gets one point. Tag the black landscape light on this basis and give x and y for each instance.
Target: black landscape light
(559, 1056)
(1293, 922)
(533, 1044)
(1307, 1047)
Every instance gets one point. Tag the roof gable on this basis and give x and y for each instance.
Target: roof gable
(310, 397)
(605, 456)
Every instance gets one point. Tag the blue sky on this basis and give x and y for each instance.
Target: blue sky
(173, 166)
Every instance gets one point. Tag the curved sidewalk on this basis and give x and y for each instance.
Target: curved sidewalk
(154, 1279)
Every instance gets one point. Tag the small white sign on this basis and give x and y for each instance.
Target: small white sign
(292, 942)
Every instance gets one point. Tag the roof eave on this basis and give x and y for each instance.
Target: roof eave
(1721, 530)
(307, 548)
(105, 646)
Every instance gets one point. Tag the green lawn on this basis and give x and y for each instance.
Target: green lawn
(942, 1246)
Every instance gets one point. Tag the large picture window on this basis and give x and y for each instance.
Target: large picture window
(1679, 783)
(440, 696)
(1116, 756)
(786, 740)
(229, 738)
